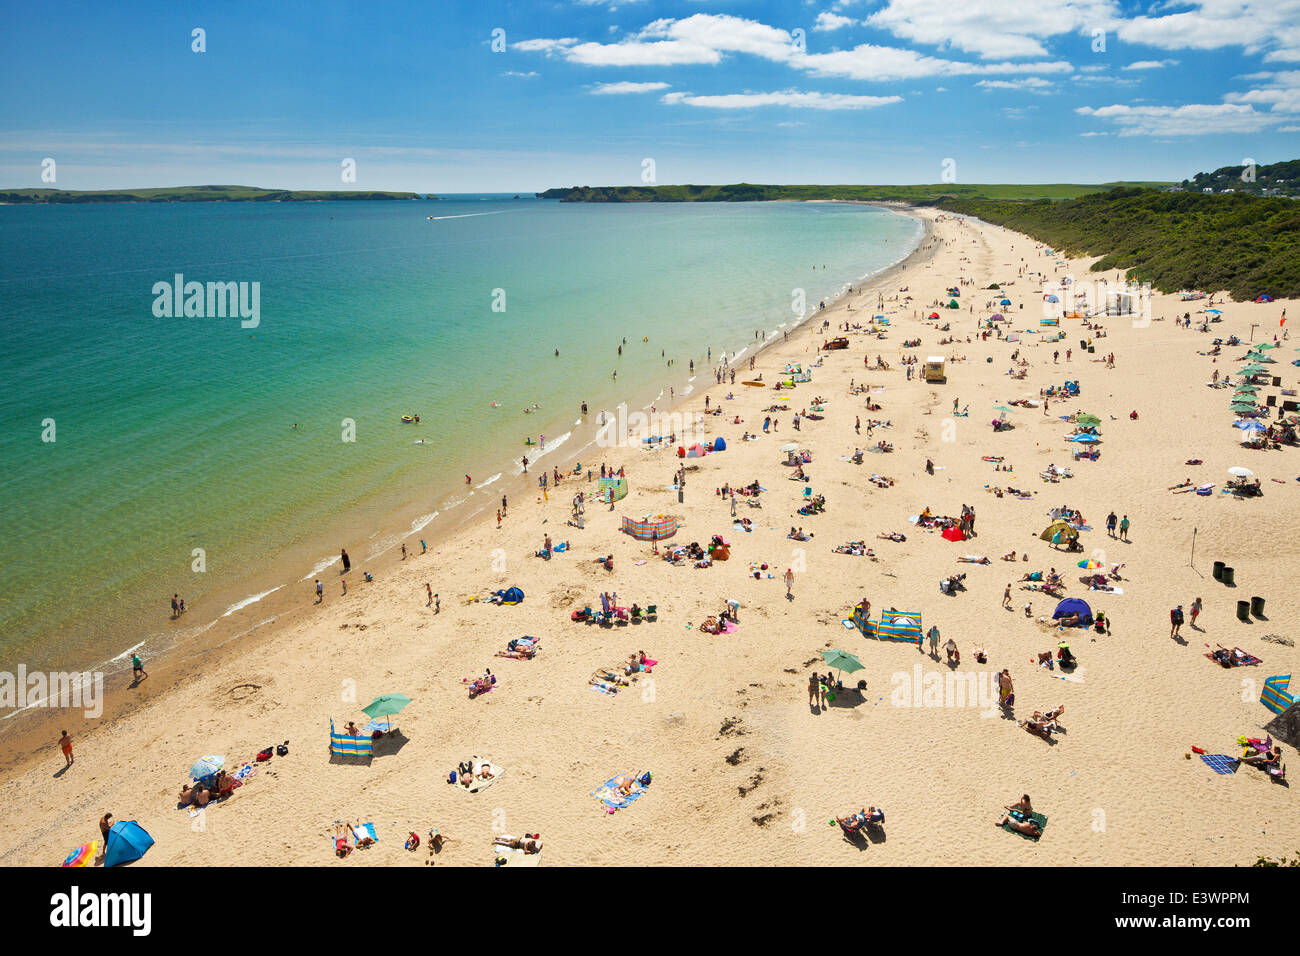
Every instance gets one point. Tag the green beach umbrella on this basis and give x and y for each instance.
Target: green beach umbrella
(1247, 387)
(1267, 345)
(841, 661)
(1087, 419)
(386, 705)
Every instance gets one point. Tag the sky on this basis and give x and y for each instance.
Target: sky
(455, 96)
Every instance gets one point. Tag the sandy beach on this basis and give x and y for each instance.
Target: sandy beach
(744, 771)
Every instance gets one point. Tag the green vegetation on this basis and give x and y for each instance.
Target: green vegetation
(1175, 240)
(749, 192)
(192, 194)
(1275, 179)
(1278, 861)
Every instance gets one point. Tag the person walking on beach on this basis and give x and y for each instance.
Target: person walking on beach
(503, 506)
(1006, 598)
(347, 562)
(403, 550)
(1175, 621)
(933, 635)
(789, 583)
(1123, 528)
(1196, 611)
(138, 673)
(1111, 520)
(1006, 689)
(857, 425)
(1056, 358)
(428, 589)
(423, 547)
(176, 606)
(498, 519)
(345, 586)
(65, 744)
(320, 591)
(437, 604)
(525, 463)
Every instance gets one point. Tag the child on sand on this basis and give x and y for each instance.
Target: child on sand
(65, 744)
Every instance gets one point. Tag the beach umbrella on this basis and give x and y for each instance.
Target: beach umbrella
(1254, 368)
(386, 705)
(1212, 312)
(1003, 409)
(1247, 425)
(999, 317)
(1243, 407)
(841, 661)
(1090, 564)
(1266, 346)
(1052, 298)
(1086, 419)
(1247, 387)
(1086, 439)
(790, 447)
(1005, 302)
(83, 855)
(1237, 471)
(127, 842)
(206, 767)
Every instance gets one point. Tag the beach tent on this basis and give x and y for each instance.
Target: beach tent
(893, 626)
(1013, 337)
(1276, 697)
(127, 842)
(1057, 529)
(1005, 302)
(719, 444)
(952, 304)
(1286, 725)
(348, 746)
(1074, 606)
(933, 315)
(696, 451)
(997, 317)
(1264, 298)
(649, 528)
(510, 596)
(954, 534)
(611, 489)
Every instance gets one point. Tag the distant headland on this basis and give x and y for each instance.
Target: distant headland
(197, 194)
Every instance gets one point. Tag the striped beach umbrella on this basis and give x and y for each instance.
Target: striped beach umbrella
(83, 855)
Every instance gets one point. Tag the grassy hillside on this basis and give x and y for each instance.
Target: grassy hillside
(1274, 179)
(1242, 243)
(749, 192)
(191, 194)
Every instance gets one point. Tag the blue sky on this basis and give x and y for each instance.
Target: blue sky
(833, 91)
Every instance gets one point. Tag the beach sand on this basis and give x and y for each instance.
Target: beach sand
(745, 772)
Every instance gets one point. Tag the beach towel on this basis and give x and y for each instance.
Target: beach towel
(1220, 763)
(512, 857)
(1038, 818)
(366, 830)
(607, 793)
(476, 785)
(604, 688)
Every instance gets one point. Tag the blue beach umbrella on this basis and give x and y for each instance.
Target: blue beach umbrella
(1086, 439)
(127, 841)
(1251, 426)
(206, 767)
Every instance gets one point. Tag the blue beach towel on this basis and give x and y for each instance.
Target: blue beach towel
(1220, 763)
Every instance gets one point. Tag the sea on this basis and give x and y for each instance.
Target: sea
(157, 442)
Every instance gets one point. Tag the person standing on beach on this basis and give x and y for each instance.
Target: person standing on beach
(814, 688)
(403, 550)
(525, 461)
(933, 635)
(345, 586)
(1175, 621)
(857, 425)
(498, 519)
(1006, 689)
(320, 591)
(1111, 519)
(1006, 598)
(1123, 528)
(503, 506)
(176, 606)
(437, 604)
(423, 547)
(1196, 610)
(428, 589)
(138, 673)
(789, 583)
(347, 562)
(65, 744)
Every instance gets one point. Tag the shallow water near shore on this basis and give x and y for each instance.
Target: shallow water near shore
(194, 455)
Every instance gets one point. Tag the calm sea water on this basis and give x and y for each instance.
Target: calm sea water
(176, 434)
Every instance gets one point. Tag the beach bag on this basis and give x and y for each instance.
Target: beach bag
(283, 749)
(451, 777)
(264, 755)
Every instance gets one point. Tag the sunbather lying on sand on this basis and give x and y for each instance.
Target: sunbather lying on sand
(607, 677)
(1010, 556)
(341, 846)
(529, 844)
(1051, 715)
(1028, 826)
(893, 536)
(522, 653)
(1040, 728)
(975, 559)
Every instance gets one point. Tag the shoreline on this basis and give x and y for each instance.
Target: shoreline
(24, 734)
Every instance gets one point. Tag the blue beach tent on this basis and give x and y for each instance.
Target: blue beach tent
(127, 842)
(1074, 606)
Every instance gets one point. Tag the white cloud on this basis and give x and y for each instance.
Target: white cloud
(1288, 129)
(831, 21)
(544, 46)
(1254, 25)
(992, 29)
(604, 89)
(1191, 120)
(789, 98)
(1034, 84)
(522, 75)
(1150, 64)
(870, 62)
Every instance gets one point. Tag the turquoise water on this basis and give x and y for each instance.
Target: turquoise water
(175, 434)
